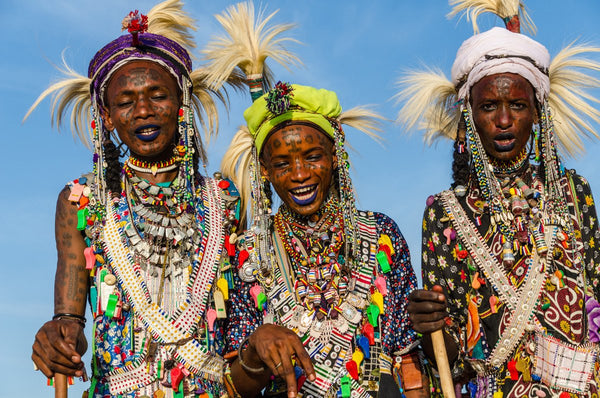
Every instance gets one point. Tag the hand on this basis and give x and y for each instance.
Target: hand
(274, 346)
(58, 348)
(427, 309)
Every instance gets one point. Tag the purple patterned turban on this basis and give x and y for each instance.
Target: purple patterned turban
(149, 47)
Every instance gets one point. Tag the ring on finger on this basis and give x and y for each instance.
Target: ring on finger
(278, 365)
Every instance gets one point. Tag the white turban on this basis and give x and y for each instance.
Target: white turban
(500, 51)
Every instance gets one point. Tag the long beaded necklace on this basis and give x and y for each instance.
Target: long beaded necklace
(515, 208)
(321, 278)
(159, 225)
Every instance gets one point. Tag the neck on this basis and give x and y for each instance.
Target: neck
(156, 171)
(328, 207)
(507, 168)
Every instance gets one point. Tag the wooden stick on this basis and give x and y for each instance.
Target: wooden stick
(441, 358)
(60, 386)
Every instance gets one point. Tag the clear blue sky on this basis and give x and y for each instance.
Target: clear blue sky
(356, 48)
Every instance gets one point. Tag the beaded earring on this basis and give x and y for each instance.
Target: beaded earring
(536, 143)
(346, 191)
(187, 138)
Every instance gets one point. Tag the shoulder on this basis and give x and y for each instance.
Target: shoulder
(78, 191)
(579, 182)
(434, 204)
(387, 226)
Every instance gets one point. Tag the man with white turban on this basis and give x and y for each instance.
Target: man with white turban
(510, 258)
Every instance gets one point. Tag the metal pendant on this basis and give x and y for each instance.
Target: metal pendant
(248, 272)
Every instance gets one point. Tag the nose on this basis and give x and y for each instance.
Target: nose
(142, 109)
(503, 117)
(300, 172)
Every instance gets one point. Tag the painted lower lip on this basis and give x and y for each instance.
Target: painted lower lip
(304, 202)
(148, 137)
(504, 146)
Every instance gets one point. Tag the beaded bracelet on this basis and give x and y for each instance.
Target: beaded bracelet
(232, 392)
(71, 317)
(243, 364)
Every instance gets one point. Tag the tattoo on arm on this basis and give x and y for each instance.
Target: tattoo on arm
(71, 280)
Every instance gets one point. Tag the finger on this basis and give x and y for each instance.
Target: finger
(303, 359)
(57, 353)
(38, 361)
(428, 317)
(425, 307)
(429, 327)
(286, 372)
(67, 344)
(437, 288)
(426, 295)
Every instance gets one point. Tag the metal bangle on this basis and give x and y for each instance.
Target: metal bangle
(243, 364)
(71, 317)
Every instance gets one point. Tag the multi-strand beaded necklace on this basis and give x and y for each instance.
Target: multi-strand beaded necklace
(515, 208)
(162, 225)
(314, 247)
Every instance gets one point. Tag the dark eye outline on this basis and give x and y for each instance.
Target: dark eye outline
(519, 105)
(124, 103)
(281, 164)
(159, 96)
(314, 157)
(488, 106)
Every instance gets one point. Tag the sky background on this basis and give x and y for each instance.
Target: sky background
(356, 48)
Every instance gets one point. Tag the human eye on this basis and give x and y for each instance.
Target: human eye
(123, 102)
(314, 157)
(280, 164)
(488, 106)
(518, 106)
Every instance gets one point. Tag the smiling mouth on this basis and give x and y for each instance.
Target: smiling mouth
(304, 195)
(147, 133)
(504, 142)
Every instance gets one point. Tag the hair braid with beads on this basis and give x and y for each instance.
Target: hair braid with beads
(461, 158)
(113, 166)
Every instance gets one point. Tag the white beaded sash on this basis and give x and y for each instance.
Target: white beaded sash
(179, 326)
(520, 302)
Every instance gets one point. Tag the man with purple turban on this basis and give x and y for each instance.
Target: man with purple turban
(510, 255)
(144, 241)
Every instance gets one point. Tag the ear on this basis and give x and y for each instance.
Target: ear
(106, 119)
(264, 172)
(335, 161)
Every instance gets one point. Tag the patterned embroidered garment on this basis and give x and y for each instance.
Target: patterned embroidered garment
(136, 343)
(545, 355)
(395, 336)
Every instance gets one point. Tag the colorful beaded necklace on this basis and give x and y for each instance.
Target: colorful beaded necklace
(315, 250)
(515, 208)
(162, 166)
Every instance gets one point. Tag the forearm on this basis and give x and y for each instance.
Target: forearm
(70, 289)
(71, 279)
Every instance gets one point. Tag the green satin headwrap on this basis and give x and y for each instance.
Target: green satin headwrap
(306, 103)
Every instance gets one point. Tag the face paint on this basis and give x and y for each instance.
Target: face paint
(299, 161)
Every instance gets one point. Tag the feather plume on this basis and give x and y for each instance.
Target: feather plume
(73, 92)
(363, 119)
(429, 103)
(235, 165)
(246, 45)
(571, 104)
(502, 8)
(169, 20)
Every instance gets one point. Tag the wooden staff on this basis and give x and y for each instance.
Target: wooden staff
(441, 358)
(60, 385)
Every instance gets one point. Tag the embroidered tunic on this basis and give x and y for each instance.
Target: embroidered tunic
(481, 320)
(138, 341)
(394, 333)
